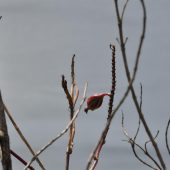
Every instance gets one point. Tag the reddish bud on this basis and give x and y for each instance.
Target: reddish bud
(95, 101)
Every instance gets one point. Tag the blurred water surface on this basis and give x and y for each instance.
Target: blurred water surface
(37, 41)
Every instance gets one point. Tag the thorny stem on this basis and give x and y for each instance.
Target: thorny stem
(123, 50)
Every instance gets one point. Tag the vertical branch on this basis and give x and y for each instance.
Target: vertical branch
(123, 50)
(73, 82)
(4, 139)
(166, 136)
(112, 47)
(94, 157)
(69, 98)
(72, 98)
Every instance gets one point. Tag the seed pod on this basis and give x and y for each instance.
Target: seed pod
(95, 101)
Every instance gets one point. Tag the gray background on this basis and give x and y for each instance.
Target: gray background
(37, 41)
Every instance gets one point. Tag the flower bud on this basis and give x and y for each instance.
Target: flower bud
(95, 101)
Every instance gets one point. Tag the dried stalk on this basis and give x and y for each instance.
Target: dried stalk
(4, 139)
(123, 50)
(72, 98)
(112, 92)
(95, 155)
(62, 132)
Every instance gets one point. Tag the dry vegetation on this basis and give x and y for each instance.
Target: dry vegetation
(154, 162)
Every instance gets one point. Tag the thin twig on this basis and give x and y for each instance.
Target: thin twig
(149, 141)
(124, 8)
(166, 136)
(62, 132)
(134, 144)
(22, 136)
(139, 122)
(135, 69)
(132, 141)
(20, 159)
(141, 96)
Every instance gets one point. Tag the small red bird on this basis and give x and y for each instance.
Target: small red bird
(95, 101)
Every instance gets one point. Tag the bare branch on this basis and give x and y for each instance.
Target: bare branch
(139, 122)
(166, 136)
(62, 132)
(22, 136)
(134, 145)
(141, 96)
(123, 50)
(21, 159)
(73, 97)
(123, 128)
(124, 8)
(4, 139)
(149, 141)
(137, 131)
(138, 54)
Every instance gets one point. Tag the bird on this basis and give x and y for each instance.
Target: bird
(95, 101)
